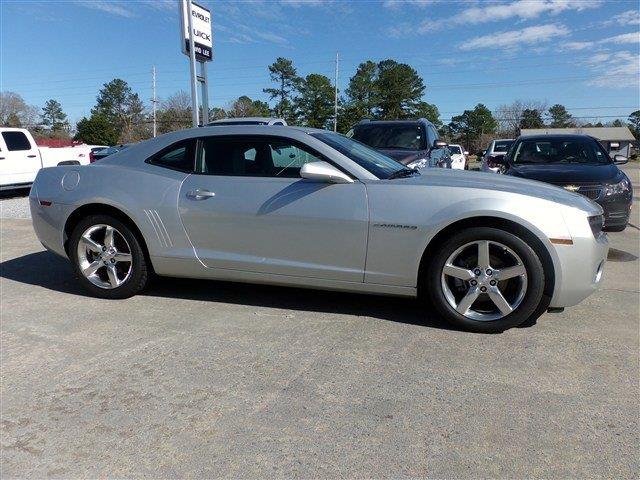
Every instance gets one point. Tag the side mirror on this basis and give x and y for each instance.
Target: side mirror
(620, 159)
(439, 144)
(466, 152)
(323, 172)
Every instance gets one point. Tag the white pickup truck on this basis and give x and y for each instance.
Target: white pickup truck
(21, 158)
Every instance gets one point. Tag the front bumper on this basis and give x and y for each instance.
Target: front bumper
(580, 269)
(616, 211)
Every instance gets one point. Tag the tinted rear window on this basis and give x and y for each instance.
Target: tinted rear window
(455, 149)
(398, 137)
(502, 146)
(16, 141)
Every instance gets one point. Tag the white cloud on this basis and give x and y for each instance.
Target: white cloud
(577, 45)
(161, 4)
(522, 9)
(494, 12)
(514, 38)
(618, 70)
(630, 17)
(305, 3)
(414, 3)
(633, 37)
(114, 8)
(271, 37)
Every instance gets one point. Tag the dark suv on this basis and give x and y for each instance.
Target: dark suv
(414, 143)
(578, 163)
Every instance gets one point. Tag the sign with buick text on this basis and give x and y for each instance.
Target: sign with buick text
(202, 36)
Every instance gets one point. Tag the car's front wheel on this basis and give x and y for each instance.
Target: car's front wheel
(107, 257)
(485, 280)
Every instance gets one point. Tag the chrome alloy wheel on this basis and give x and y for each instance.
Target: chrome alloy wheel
(484, 280)
(104, 256)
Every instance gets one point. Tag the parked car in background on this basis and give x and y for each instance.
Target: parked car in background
(248, 121)
(497, 149)
(313, 208)
(101, 153)
(458, 157)
(21, 158)
(414, 143)
(577, 163)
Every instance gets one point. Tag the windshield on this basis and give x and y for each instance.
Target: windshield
(380, 165)
(399, 137)
(502, 146)
(455, 150)
(585, 151)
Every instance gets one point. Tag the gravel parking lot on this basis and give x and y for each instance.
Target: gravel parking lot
(207, 379)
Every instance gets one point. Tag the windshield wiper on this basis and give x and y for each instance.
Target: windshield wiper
(405, 172)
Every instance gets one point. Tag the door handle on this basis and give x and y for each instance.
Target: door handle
(200, 194)
(31, 156)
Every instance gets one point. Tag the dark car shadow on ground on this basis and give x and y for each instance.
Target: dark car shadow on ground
(19, 193)
(47, 270)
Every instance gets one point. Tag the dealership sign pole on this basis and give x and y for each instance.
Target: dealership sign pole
(196, 42)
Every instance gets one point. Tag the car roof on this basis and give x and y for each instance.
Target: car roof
(556, 136)
(251, 129)
(246, 119)
(418, 121)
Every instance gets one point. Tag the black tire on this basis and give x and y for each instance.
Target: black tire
(528, 310)
(140, 271)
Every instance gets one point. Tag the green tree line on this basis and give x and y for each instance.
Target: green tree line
(384, 90)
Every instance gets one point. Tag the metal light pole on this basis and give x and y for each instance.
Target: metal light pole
(195, 114)
(335, 98)
(153, 101)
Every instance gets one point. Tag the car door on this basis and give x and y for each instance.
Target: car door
(247, 209)
(19, 158)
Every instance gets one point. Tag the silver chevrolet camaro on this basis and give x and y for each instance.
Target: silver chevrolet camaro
(312, 208)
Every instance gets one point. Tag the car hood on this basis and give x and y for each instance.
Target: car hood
(566, 173)
(403, 156)
(492, 182)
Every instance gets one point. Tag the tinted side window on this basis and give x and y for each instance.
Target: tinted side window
(179, 156)
(432, 136)
(16, 141)
(253, 157)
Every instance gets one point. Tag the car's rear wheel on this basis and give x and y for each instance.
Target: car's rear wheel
(107, 257)
(485, 280)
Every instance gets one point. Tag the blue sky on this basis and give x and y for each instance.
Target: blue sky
(581, 53)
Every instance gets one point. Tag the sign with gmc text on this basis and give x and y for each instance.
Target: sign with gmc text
(202, 36)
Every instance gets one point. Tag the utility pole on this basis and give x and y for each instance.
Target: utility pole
(195, 114)
(335, 97)
(153, 101)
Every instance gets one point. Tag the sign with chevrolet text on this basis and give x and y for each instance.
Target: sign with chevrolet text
(202, 36)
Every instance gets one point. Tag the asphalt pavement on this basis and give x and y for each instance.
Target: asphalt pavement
(211, 379)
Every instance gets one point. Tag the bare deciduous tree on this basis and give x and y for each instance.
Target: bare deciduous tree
(509, 116)
(14, 111)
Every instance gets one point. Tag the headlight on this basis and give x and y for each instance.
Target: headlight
(617, 188)
(420, 163)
